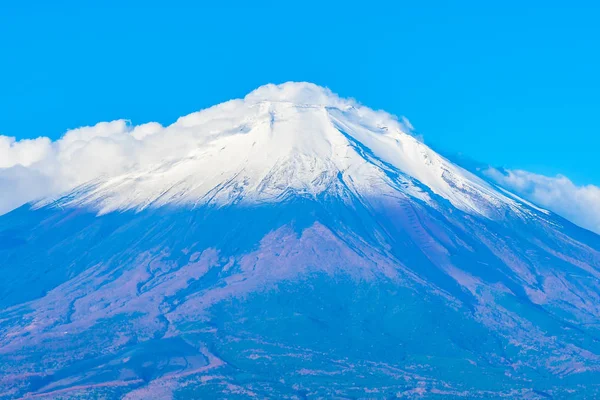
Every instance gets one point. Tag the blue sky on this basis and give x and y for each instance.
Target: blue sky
(508, 84)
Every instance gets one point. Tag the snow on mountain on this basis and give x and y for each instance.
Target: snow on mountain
(291, 245)
(292, 138)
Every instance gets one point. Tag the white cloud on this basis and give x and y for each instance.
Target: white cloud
(34, 168)
(30, 169)
(579, 204)
(23, 152)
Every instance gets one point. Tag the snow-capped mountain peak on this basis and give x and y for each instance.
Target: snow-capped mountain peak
(281, 140)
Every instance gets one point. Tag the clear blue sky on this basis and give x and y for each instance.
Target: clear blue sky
(513, 84)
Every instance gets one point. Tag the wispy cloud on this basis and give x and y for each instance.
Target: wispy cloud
(579, 204)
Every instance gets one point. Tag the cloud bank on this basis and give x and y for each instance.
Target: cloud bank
(36, 168)
(579, 204)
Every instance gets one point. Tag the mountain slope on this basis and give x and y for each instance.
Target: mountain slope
(303, 246)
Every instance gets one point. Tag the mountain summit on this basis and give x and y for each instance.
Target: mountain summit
(288, 140)
(293, 244)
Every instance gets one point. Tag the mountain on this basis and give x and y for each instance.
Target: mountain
(293, 244)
